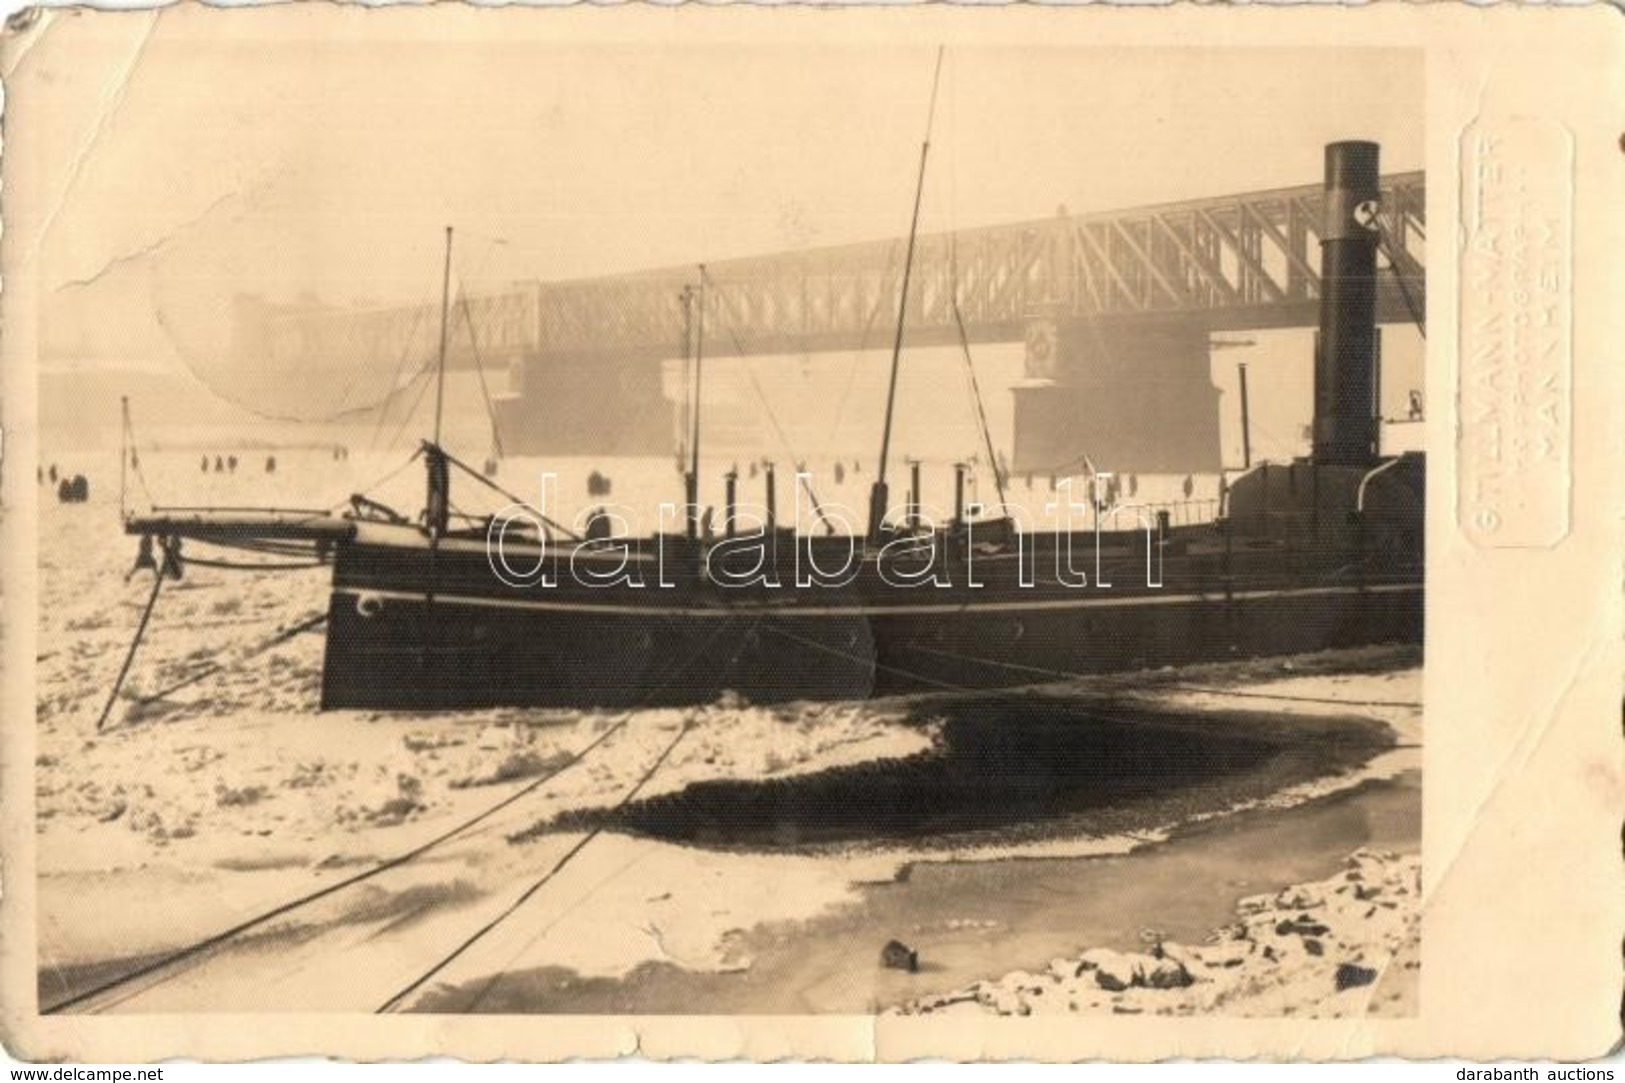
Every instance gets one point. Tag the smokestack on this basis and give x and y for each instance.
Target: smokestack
(1345, 358)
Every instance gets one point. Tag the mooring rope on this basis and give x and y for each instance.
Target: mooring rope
(542, 881)
(135, 642)
(1181, 685)
(219, 667)
(202, 947)
(859, 659)
(256, 566)
(1065, 675)
(468, 942)
(216, 940)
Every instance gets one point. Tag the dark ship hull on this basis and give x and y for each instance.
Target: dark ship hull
(483, 655)
(415, 628)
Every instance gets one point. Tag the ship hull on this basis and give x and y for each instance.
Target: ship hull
(392, 645)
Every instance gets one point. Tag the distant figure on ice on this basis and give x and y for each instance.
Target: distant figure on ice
(73, 491)
(231, 463)
(598, 525)
(840, 472)
(1133, 484)
(1190, 486)
(491, 466)
(53, 473)
(205, 466)
(270, 464)
(1414, 409)
(219, 465)
(598, 484)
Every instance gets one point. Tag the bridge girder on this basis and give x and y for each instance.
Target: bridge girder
(1236, 262)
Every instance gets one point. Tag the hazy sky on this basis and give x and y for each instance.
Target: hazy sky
(273, 152)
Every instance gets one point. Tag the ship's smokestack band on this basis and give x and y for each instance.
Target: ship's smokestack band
(1345, 360)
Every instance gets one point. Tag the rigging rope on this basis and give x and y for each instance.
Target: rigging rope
(130, 457)
(388, 477)
(1418, 317)
(395, 385)
(423, 388)
(863, 341)
(784, 439)
(203, 366)
(429, 362)
(224, 389)
(479, 367)
(970, 368)
(483, 480)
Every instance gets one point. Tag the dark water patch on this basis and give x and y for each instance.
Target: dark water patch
(982, 919)
(1009, 768)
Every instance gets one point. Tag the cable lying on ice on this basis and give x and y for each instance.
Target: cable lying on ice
(581, 844)
(207, 944)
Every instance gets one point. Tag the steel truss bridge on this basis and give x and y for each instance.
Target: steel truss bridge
(1246, 261)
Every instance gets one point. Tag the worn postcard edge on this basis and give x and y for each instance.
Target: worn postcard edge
(1522, 868)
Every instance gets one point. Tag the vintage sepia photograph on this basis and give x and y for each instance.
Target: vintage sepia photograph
(587, 525)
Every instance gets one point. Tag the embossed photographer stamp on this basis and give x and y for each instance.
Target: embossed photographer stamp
(1515, 410)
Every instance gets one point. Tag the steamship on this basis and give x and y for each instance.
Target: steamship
(1323, 552)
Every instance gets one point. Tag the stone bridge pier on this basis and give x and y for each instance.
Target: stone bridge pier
(610, 404)
(1133, 397)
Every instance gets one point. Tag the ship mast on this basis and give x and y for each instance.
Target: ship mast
(445, 324)
(699, 377)
(694, 334)
(438, 512)
(878, 493)
(686, 422)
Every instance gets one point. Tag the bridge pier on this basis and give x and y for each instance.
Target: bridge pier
(605, 404)
(1132, 397)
